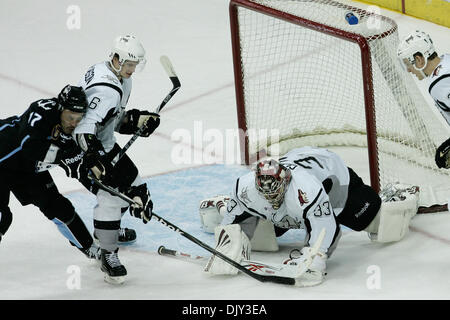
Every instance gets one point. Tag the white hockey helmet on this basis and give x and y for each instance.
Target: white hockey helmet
(128, 48)
(272, 180)
(416, 42)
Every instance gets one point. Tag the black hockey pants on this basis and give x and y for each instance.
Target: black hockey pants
(40, 190)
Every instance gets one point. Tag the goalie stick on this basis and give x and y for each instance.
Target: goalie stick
(280, 270)
(168, 67)
(253, 266)
(433, 209)
(260, 271)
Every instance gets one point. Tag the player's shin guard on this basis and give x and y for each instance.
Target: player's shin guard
(107, 233)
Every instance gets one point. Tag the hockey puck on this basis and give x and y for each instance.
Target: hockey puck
(351, 18)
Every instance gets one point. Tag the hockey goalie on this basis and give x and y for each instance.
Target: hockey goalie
(309, 188)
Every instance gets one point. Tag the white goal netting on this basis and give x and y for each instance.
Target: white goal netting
(307, 82)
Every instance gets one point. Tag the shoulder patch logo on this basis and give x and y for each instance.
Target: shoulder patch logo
(89, 75)
(302, 197)
(437, 70)
(56, 132)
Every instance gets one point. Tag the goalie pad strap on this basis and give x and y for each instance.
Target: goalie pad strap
(263, 236)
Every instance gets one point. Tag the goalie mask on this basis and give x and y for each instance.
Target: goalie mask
(417, 42)
(128, 48)
(272, 180)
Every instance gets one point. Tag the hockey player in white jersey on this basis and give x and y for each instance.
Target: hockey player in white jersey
(309, 188)
(418, 54)
(108, 87)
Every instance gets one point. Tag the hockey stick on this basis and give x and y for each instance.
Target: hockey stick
(280, 270)
(163, 251)
(433, 209)
(168, 67)
(260, 272)
(253, 266)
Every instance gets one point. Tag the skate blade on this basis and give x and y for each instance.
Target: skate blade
(114, 280)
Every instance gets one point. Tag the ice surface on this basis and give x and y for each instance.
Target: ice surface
(39, 55)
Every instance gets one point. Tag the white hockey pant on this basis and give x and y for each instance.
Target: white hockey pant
(107, 216)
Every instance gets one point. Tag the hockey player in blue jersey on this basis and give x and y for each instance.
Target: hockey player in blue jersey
(32, 143)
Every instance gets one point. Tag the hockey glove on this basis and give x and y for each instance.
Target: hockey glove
(442, 155)
(311, 267)
(96, 159)
(144, 206)
(149, 121)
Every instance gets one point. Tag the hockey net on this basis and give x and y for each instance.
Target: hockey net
(307, 75)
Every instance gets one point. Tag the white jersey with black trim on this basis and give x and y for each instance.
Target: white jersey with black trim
(107, 97)
(439, 87)
(327, 167)
(306, 199)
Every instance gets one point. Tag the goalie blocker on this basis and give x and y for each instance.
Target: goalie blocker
(260, 231)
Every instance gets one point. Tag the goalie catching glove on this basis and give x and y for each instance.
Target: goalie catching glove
(442, 156)
(143, 208)
(138, 119)
(310, 267)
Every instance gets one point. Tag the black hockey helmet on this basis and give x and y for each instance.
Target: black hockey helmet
(73, 98)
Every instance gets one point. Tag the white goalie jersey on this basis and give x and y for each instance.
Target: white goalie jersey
(316, 194)
(107, 97)
(439, 87)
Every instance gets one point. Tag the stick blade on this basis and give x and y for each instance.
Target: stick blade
(167, 65)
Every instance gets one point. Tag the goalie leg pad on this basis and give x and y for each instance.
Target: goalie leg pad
(264, 238)
(392, 221)
(231, 242)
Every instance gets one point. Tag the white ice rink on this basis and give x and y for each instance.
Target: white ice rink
(39, 54)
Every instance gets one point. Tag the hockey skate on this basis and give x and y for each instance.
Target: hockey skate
(126, 236)
(114, 271)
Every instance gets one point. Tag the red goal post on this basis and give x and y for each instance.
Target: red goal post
(287, 59)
